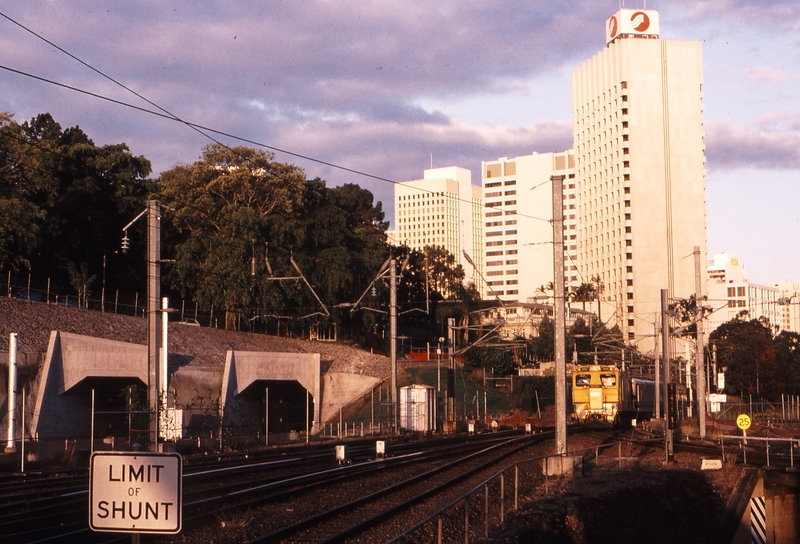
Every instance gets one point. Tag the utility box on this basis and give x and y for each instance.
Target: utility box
(417, 404)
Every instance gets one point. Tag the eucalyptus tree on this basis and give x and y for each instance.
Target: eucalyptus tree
(64, 200)
(221, 208)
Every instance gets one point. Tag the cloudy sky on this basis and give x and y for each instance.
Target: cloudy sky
(387, 88)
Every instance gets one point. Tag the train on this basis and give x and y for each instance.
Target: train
(607, 394)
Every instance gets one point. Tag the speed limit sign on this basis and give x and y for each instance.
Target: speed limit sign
(743, 422)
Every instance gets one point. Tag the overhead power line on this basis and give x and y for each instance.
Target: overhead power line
(201, 129)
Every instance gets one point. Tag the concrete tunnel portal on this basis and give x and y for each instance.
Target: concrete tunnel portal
(285, 404)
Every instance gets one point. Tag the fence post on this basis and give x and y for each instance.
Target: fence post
(439, 523)
(486, 509)
(466, 520)
(516, 487)
(502, 497)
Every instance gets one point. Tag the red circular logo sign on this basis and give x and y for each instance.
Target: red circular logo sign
(640, 21)
(612, 26)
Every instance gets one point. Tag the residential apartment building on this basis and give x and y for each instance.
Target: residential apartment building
(441, 209)
(788, 306)
(518, 233)
(639, 169)
(730, 294)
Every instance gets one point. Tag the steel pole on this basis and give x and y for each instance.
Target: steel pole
(668, 446)
(559, 314)
(11, 443)
(700, 354)
(153, 322)
(393, 336)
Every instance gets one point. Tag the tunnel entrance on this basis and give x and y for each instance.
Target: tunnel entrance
(120, 408)
(288, 410)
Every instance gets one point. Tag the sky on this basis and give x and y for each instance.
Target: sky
(387, 89)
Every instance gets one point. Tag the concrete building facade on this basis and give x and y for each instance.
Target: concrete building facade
(518, 235)
(789, 305)
(730, 294)
(442, 209)
(639, 169)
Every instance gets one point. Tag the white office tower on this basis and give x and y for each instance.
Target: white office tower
(788, 306)
(639, 169)
(442, 209)
(731, 295)
(518, 234)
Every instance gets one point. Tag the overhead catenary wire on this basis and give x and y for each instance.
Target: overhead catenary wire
(203, 130)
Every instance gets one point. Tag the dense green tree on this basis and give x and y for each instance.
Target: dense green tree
(245, 225)
(787, 361)
(64, 200)
(220, 208)
(746, 350)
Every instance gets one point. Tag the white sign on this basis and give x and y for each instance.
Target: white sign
(632, 22)
(135, 492)
(717, 397)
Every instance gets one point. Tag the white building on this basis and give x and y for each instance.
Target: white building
(639, 169)
(788, 306)
(518, 235)
(730, 294)
(442, 209)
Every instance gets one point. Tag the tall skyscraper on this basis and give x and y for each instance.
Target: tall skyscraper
(442, 209)
(518, 235)
(639, 169)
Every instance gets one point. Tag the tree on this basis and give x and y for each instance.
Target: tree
(64, 200)
(584, 293)
(787, 361)
(221, 208)
(746, 350)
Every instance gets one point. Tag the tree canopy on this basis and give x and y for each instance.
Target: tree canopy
(755, 360)
(64, 200)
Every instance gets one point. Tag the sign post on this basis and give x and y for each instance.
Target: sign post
(743, 422)
(135, 492)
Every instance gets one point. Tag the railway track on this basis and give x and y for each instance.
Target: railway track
(49, 510)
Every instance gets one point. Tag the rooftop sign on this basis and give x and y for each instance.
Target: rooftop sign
(632, 23)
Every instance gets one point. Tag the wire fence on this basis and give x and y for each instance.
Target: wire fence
(133, 303)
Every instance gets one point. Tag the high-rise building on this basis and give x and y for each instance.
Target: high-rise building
(788, 305)
(518, 234)
(639, 169)
(443, 209)
(730, 294)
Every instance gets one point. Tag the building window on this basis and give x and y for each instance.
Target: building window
(511, 182)
(493, 194)
(493, 184)
(511, 272)
(494, 273)
(512, 292)
(630, 309)
(513, 231)
(512, 282)
(511, 202)
(492, 244)
(629, 296)
(511, 261)
(630, 283)
(740, 291)
(511, 193)
(494, 233)
(731, 291)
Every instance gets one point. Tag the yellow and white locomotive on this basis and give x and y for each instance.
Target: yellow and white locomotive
(605, 393)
